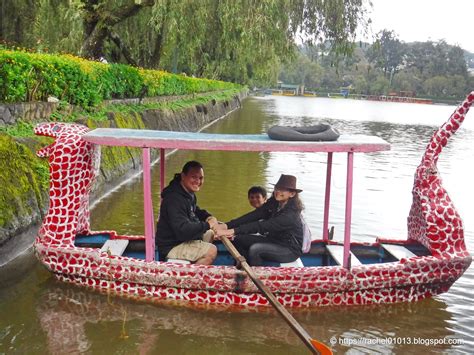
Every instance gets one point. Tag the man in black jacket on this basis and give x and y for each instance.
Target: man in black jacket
(182, 225)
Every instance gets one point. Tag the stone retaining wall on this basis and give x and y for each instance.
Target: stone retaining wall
(37, 111)
(28, 111)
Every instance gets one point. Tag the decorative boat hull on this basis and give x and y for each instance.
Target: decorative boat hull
(433, 223)
(407, 281)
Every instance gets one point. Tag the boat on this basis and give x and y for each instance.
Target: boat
(425, 263)
(391, 98)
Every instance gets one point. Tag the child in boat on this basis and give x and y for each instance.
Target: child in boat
(184, 231)
(257, 196)
(278, 221)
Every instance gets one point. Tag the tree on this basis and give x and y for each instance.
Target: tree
(57, 26)
(436, 86)
(17, 20)
(234, 40)
(386, 52)
(436, 59)
(100, 17)
(302, 71)
(409, 79)
(456, 61)
(360, 85)
(380, 86)
(428, 68)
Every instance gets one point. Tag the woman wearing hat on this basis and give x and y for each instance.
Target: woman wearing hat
(277, 222)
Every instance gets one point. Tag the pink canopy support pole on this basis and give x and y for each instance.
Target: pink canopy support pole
(162, 169)
(327, 198)
(148, 206)
(347, 227)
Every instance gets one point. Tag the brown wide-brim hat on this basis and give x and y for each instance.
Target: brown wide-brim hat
(287, 182)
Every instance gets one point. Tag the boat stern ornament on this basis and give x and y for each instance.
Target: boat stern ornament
(433, 220)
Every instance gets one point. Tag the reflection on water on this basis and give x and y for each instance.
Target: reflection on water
(75, 320)
(34, 306)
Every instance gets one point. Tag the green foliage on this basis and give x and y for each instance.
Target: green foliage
(22, 186)
(241, 41)
(34, 76)
(17, 21)
(428, 69)
(303, 71)
(20, 129)
(443, 86)
(41, 169)
(125, 81)
(386, 52)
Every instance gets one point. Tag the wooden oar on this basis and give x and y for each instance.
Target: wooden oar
(315, 346)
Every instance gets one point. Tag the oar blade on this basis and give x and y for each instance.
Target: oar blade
(314, 345)
(322, 348)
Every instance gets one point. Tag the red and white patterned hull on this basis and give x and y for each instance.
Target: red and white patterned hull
(406, 281)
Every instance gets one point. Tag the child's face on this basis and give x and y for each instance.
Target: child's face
(256, 200)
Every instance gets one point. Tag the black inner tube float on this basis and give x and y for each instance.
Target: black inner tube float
(320, 132)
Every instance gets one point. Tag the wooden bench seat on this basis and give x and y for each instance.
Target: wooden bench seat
(115, 246)
(178, 261)
(337, 252)
(296, 263)
(398, 251)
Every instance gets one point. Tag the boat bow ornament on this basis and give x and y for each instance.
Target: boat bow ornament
(73, 167)
(427, 263)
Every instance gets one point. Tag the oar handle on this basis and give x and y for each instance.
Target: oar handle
(315, 346)
(232, 249)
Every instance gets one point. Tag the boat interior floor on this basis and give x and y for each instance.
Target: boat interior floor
(320, 254)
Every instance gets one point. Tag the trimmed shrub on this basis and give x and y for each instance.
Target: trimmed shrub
(35, 76)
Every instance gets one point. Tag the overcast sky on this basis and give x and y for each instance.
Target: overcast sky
(423, 20)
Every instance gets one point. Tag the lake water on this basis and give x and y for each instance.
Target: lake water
(39, 315)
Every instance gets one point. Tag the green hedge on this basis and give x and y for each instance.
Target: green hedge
(34, 76)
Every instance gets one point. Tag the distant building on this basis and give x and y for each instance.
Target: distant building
(291, 90)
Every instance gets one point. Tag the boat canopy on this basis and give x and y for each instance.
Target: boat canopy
(229, 142)
(147, 139)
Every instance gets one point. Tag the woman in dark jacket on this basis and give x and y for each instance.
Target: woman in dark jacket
(278, 224)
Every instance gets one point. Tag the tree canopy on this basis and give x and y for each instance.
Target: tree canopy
(235, 40)
(433, 69)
